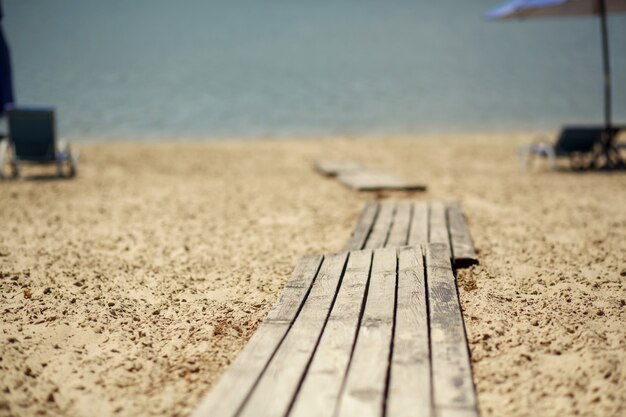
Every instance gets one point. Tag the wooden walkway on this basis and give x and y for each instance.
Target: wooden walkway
(371, 332)
(395, 224)
(355, 176)
(333, 168)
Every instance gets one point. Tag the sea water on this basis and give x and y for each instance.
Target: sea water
(200, 68)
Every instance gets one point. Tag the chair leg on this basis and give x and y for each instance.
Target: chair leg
(60, 172)
(3, 147)
(15, 169)
(71, 162)
(551, 157)
(615, 158)
(69, 158)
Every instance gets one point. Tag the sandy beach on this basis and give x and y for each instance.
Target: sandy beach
(128, 290)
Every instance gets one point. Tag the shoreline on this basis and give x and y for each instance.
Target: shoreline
(503, 134)
(147, 273)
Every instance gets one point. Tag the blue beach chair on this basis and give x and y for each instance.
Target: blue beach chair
(580, 144)
(33, 140)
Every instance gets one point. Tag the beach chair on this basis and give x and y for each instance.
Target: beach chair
(578, 143)
(33, 140)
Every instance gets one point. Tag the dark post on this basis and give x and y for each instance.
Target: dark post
(607, 65)
(611, 156)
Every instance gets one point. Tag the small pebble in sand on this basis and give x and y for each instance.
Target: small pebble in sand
(27, 293)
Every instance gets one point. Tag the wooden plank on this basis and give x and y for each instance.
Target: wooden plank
(363, 227)
(453, 387)
(364, 391)
(409, 384)
(456, 412)
(399, 234)
(234, 386)
(418, 233)
(462, 246)
(333, 168)
(322, 385)
(438, 227)
(275, 391)
(366, 180)
(380, 231)
(295, 290)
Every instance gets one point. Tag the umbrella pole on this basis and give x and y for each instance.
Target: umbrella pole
(612, 158)
(607, 65)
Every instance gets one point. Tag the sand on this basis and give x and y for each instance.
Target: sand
(128, 290)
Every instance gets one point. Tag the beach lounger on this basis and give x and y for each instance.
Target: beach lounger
(578, 143)
(33, 140)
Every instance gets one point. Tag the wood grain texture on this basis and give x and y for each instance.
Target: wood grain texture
(453, 387)
(380, 231)
(274, 392)
(418, 233)
(321, 388)
(234, 386)
(399, 233)
(456, 412)
(409, 385)
(363, 227)
(462, 246)
(438, 227)
(364, 390)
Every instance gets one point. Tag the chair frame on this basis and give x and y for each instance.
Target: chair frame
(63, 156)
(580, 159)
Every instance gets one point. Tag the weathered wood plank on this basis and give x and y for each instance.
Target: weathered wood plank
(234, 386)
(462, 246)
(275, 390)
(399, 234)
(322, 385)
(418, 233)
(453, 387)
(456, 412)
(363, 227)
(333, 168)
(367, 180)
(438, 227)
(380, 231)
(364, 390)
(409, 385)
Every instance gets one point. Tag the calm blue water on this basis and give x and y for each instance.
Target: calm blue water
(162, 68)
